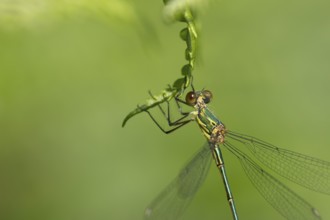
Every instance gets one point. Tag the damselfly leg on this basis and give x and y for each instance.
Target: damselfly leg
(183, 120)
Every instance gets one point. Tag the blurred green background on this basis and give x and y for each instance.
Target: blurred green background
(66, 84)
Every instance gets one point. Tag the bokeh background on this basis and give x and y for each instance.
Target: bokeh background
(69, 75)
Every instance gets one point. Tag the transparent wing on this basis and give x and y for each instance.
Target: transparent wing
(284, 200)
(304, 170)
(175, 198)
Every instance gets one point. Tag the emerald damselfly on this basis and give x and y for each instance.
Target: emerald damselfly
(304, 170)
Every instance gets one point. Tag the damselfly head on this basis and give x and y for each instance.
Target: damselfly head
(192, 96)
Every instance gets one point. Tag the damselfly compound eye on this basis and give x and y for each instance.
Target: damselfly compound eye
(207, 96)
(191, 98)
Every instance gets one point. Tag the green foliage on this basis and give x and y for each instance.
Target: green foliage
(42, 13)
(174, 10)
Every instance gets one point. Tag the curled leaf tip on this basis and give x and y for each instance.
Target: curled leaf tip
(136, 111)
(124, 122)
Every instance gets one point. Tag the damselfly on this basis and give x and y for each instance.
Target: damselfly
(307, 171)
